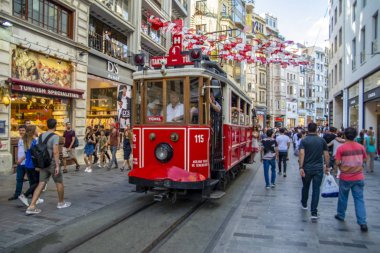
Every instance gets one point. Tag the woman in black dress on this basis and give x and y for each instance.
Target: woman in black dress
(127, 141)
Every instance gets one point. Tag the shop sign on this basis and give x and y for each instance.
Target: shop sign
(113, 71)
(279, 119)
(32, 66)
(372, 94)
(41, 89)
(353, 101)
(175, 57)
(260, 113)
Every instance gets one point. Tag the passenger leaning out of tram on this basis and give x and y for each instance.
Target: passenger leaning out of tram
(174, 110)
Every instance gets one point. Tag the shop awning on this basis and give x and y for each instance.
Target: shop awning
(43, 89)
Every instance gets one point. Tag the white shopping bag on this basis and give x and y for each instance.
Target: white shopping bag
(330, 188)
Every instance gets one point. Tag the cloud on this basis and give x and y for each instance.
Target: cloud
(318, 33)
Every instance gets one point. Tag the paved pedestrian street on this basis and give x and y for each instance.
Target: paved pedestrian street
(273, 221)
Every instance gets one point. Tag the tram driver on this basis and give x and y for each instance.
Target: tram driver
(175, 109)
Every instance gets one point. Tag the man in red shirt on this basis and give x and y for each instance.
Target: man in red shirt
(349, 157)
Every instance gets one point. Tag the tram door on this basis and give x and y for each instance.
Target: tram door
(217, 127)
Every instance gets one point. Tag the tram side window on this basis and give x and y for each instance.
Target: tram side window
(175, 108)
(154, 94)
(234, 109)
(247, 118)
(194, 100)
(242, 112)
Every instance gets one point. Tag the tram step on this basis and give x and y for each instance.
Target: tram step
(216, 195)
(214, 182)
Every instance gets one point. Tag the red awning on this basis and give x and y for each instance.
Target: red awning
(43, 89)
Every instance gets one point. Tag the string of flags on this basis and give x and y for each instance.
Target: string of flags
(263, 51)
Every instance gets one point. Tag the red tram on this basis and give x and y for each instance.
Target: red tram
(192, 129)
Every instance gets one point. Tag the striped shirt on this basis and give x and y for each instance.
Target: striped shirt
(351, 155)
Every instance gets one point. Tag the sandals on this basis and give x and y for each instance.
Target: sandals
(64, 171)
(33, 211)
(77, 168)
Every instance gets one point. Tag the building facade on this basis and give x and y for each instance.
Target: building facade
(354, 65)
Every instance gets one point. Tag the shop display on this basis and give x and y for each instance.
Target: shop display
(38, 110)
(103, 110)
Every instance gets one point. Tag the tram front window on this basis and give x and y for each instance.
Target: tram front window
(153, 102)
(175, 108)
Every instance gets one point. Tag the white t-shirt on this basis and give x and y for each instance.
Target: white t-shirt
(20, 150)
(282, 142)
(171, 112)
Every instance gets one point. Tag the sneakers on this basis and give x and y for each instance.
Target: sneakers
(284, 174)
(303, 207)
(267, 187)
(88, 169)
(77, 167)
(273, 185)
(39, 201)
(33, 211)
(12, 198)
(23, 199)
(364, 228)
(280, 173)
(63, 205)
(314, 217)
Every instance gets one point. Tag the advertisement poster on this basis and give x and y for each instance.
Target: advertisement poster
(124, 105)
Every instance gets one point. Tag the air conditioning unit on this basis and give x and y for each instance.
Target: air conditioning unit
(374, 46)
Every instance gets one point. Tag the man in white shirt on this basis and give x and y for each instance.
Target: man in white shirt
(174, 110)
(283, 142)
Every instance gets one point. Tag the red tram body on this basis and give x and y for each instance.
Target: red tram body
(191, 124)
(195, 162)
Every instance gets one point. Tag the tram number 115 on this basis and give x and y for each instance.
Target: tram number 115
(199, 138)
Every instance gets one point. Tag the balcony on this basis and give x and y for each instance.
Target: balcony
(109, 46)
(179, 8)
(154, 41)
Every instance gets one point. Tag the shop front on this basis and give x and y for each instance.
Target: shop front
(278, 121)
(353, 106)
(372, 103)
(109, 93)
(261, 118)
(40, 89)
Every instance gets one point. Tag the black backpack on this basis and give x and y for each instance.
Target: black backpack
(40, 154)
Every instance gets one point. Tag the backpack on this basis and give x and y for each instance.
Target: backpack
(40, 154)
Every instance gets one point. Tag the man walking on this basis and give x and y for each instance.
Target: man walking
(349, 157)
(20, 169)
(53, 170)
(312, 150)
(114, 143)
(269, 153)
(68, 149)
(283, 142)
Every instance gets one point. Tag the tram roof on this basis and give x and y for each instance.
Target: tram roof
(188, 71)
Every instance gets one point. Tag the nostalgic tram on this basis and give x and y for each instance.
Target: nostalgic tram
(191, 125)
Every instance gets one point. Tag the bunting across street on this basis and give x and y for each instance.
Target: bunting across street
(254, 50)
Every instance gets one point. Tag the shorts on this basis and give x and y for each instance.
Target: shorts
(48, 172)
(67, 154)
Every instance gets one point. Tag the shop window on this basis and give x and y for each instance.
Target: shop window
(38, 110)
(103, 107)
(154, 103)
(194, 100)
(47, 14)
(174, 108)
(234, 109)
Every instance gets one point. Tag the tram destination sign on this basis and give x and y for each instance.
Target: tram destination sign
(176, 56)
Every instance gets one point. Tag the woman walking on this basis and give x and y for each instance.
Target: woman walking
(370, 147)
(30, 140)
(89, 148)
(127, 140)
(103, 148)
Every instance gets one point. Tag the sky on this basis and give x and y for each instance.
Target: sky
(299, 20)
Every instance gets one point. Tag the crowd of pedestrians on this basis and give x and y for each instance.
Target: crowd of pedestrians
(346, 154)
(47, 144)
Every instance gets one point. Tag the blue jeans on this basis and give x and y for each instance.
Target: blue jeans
(20, 173)
(356, 188)
(315, 176)
(113, 153)
(272, 164)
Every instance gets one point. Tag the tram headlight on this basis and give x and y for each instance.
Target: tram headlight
(163, 152)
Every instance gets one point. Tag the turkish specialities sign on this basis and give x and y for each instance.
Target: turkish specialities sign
(372, 94)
